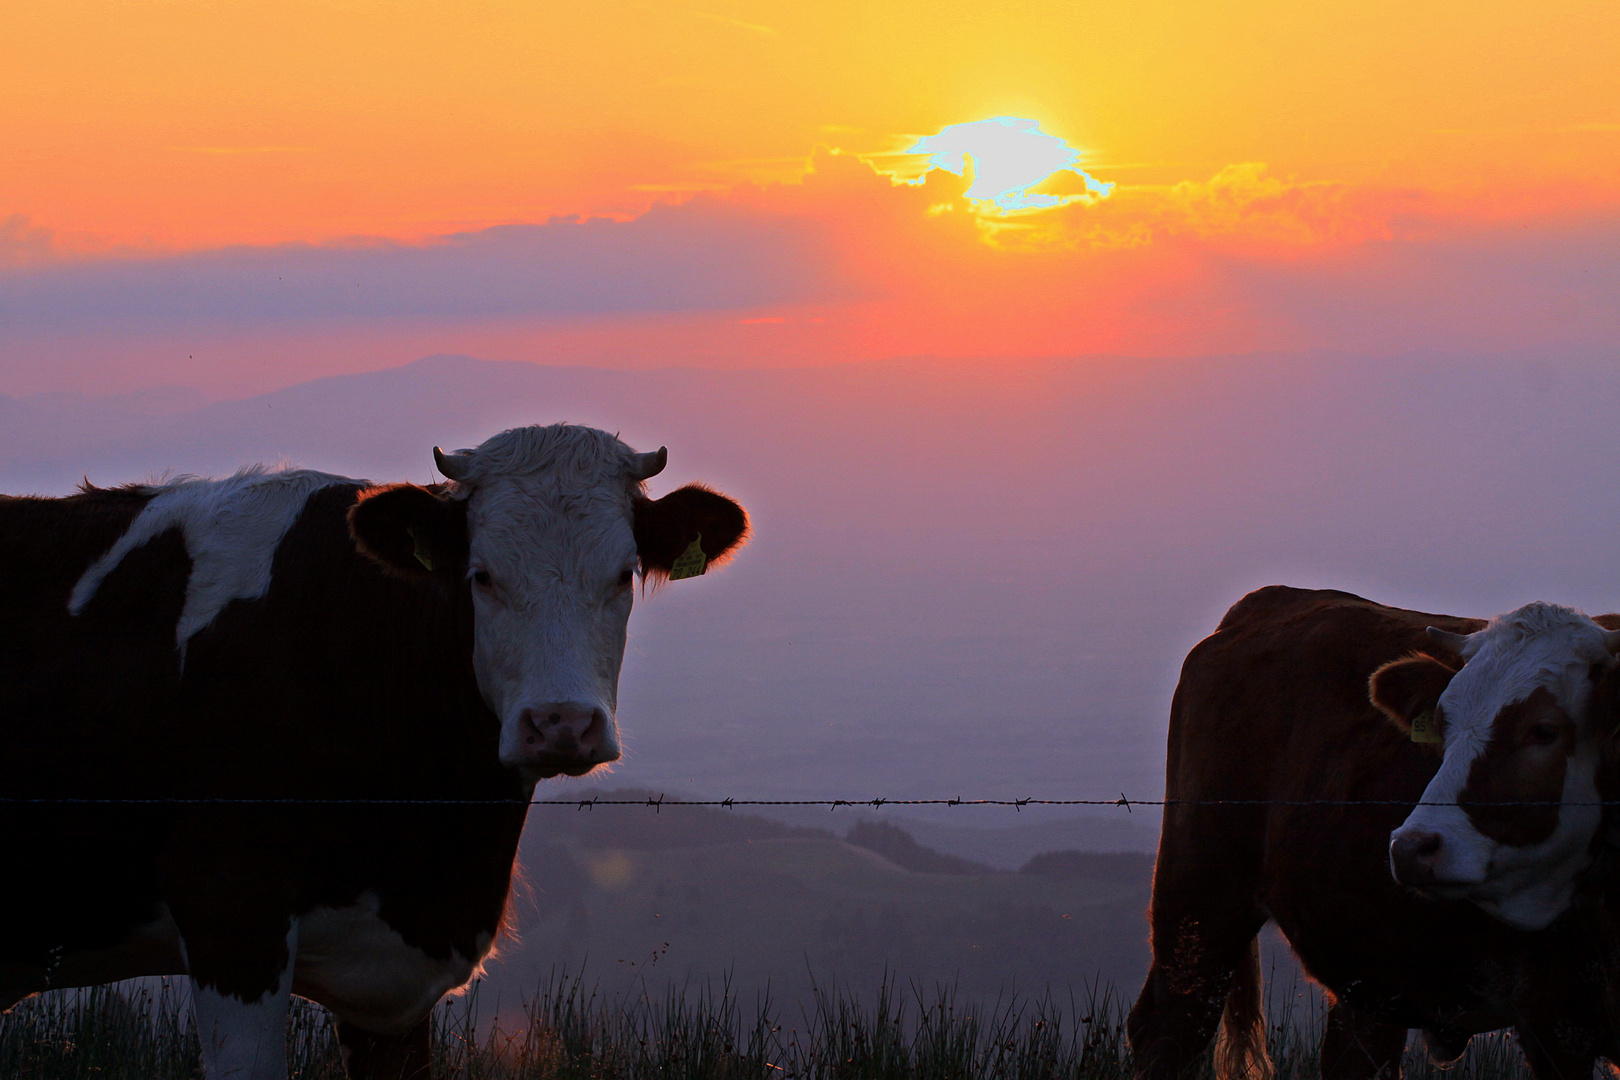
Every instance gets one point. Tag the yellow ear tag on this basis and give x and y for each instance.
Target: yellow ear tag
(691, 563)
(422, 554)
(1424, 728)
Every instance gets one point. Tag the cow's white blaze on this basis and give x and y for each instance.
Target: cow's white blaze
(231, 529)
(551, 563)
(1539, 646)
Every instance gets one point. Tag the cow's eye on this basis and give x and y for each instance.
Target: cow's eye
(1543, 733)
(481, 579)
(626, 577)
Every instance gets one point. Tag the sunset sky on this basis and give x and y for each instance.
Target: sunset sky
(1032, 335)
(235, 196)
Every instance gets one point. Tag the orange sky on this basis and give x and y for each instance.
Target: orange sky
(204, 122)
(1350, 174)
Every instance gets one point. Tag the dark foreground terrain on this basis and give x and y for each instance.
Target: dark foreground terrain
(717, 944)
(570, 1033)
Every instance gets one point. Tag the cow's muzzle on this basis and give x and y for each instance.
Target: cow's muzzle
(564, 737)
(1413, 855)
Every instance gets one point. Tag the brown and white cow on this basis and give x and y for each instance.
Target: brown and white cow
(387, 669)
(1285, 783)
(1509, 818)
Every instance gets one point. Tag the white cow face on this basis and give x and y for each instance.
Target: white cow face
(547, 529)
(1509, 819)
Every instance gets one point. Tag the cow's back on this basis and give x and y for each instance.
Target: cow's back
(1274, 705)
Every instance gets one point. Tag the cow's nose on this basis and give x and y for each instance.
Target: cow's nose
(566, 732)
(1412, 855)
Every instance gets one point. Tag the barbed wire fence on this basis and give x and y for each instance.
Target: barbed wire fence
(658, 804)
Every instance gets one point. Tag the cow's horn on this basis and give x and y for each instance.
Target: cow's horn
(454, 466)
(651, 463)
(1611, 641)
(1457, 643)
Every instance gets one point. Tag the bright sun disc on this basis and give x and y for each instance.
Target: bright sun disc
(1010, 154)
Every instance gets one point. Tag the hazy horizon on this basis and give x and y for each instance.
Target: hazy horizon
(973, 579)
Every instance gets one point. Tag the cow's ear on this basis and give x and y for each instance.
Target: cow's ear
(411, 530)
(687, 531)
(1406, 689)
(1604, 709)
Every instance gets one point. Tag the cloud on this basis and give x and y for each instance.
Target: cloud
(244, 149)
(702, 255)
(22, 244)
(725, 20)
(844, 264)
(1242, 206)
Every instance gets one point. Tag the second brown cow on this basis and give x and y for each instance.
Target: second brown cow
(1284, 785)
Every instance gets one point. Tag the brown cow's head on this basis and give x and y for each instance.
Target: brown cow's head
(1509, 819)
(547, 528)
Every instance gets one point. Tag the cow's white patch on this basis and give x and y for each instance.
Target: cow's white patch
(1538, 646)
(232, 528)
(245, 1040)
(358, 966)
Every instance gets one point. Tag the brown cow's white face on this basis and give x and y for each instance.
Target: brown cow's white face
(1509, 819)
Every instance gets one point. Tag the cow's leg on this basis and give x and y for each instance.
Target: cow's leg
(386, 1057)
(1357, 1047)
(229, 897)
(241, 986)
(1204, 919)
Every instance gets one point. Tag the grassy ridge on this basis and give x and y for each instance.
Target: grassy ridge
(572, 1033)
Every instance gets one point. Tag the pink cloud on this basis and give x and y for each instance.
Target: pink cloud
(845, 264)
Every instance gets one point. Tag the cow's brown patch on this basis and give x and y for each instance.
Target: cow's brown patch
(1524, 762)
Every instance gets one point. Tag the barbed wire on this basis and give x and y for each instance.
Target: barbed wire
(659, 803)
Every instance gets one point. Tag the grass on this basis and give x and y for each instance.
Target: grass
(569, 1032)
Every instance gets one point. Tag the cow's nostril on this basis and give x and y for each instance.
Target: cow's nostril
(1413, 857)
(595, 731)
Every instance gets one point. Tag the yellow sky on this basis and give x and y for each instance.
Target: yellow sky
(183, 123)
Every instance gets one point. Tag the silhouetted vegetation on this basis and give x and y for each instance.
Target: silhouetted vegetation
(569, 1032)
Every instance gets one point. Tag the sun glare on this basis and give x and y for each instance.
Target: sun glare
(1008, 156)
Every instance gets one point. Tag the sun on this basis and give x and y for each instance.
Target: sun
(1008, 156)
